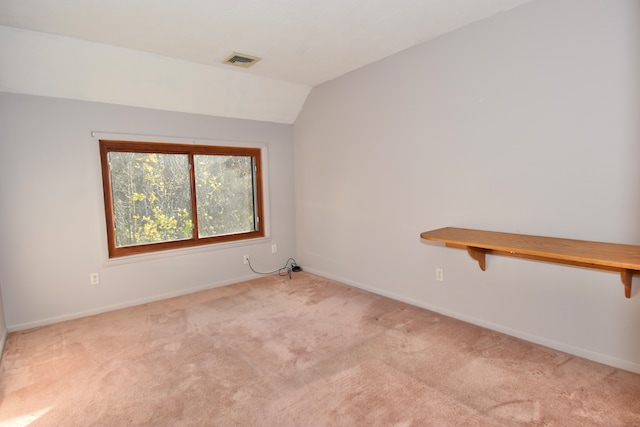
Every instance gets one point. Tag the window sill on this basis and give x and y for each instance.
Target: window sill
(172, 253)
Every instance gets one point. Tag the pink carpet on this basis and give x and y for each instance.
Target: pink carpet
(302, 352)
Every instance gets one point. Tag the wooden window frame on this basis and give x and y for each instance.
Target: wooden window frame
(107, 146)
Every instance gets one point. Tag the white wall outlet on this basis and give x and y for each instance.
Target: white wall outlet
(94, 278)
(439, 275)
(245, 259)
(274, 249)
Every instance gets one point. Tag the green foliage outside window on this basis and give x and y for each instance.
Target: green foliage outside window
(151, 197)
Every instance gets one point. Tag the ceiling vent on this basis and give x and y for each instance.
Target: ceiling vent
(240, 60)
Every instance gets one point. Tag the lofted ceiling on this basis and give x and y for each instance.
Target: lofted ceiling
(301, 42)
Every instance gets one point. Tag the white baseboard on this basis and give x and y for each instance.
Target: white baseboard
(536, 339)
(3, 340)
(107, 308)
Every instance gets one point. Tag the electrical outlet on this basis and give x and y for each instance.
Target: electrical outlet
(245, 259)
(94, 278)
(274, 249)
(439, 275)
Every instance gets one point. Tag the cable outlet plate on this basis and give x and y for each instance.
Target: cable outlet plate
(245, 259)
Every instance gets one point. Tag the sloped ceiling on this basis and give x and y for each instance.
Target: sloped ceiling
(167, 54)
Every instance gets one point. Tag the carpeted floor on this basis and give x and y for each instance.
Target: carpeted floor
(301, 352)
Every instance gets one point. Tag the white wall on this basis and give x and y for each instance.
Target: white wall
(3, 325)
(526, 122)
(52, 233)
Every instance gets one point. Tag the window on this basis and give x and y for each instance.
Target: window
(163, 196)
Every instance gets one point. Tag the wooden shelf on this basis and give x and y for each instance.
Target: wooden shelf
(624, 259)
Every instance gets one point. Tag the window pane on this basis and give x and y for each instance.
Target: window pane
(224, 194)
(151, 197)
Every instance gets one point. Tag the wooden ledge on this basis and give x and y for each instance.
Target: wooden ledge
(624, 259)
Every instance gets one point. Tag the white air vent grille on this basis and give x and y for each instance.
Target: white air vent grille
(240, 60)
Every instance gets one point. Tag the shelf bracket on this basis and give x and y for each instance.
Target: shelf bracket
(479, 255)
(627, 277)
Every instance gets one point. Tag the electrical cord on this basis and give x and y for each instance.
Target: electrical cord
(289, 266)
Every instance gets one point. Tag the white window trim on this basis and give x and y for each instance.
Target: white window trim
(127, 259)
